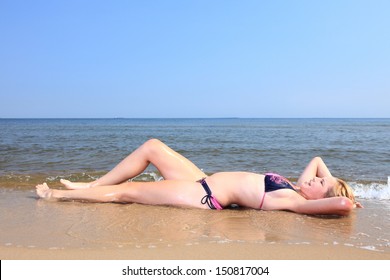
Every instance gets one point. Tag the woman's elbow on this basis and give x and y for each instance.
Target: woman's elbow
(344, 206)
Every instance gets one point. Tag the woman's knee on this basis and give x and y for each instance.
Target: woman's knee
(153, 142)
(153, 146)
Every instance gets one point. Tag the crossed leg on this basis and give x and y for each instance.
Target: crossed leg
(172, 166)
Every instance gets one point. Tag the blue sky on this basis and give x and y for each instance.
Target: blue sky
(194, 58)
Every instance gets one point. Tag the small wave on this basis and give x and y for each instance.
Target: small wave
(148, 176)
(91, 176)
(372, 190)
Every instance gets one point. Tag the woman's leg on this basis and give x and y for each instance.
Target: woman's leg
(167, 192)
(172, 166)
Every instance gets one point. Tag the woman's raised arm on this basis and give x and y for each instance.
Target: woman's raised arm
(315, 168)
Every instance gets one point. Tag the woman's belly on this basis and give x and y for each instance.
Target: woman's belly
(242, 188)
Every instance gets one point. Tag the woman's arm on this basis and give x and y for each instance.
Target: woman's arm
(315, 168)
(291, 201)
(341, 206)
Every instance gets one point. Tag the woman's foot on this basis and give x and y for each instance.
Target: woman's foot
(43, 191)
(75, 185)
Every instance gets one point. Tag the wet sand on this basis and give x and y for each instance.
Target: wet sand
(36, 229)
(235, 251)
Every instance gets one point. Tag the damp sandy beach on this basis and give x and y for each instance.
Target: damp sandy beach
(36, 229)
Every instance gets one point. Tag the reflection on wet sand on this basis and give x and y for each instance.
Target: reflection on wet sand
(29, 222)
(142, 225)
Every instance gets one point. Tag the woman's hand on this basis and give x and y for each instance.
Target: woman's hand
(358, 205)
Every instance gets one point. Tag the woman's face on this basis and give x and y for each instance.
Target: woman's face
(316, 188)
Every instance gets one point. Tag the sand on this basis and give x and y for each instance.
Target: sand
(34, 229)
(199, 252)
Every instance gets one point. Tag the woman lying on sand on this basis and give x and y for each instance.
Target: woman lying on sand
(184, 184)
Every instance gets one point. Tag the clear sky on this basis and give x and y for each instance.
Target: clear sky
(194, 58)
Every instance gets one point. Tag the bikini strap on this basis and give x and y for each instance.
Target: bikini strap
(262, 201)
(209, 199)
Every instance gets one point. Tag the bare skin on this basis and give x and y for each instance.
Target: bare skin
(180, 188)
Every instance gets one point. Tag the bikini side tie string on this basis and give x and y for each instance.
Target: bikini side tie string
(209, 199)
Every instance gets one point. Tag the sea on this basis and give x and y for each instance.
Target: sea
(33, 151)
(357, 150)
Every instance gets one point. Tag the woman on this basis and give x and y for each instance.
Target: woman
(316, 191)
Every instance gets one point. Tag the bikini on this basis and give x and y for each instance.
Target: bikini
(272, 182)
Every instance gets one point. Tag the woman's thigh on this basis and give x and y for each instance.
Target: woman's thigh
(166, 192)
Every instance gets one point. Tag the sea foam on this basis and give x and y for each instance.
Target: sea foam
(373, 190)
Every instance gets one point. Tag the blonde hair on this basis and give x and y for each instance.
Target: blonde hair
(341, 189)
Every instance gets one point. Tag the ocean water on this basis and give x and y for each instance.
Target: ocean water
(358, 150)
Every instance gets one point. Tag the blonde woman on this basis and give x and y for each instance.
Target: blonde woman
(184, 184)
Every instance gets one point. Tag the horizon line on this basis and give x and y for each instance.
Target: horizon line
(113, 118)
